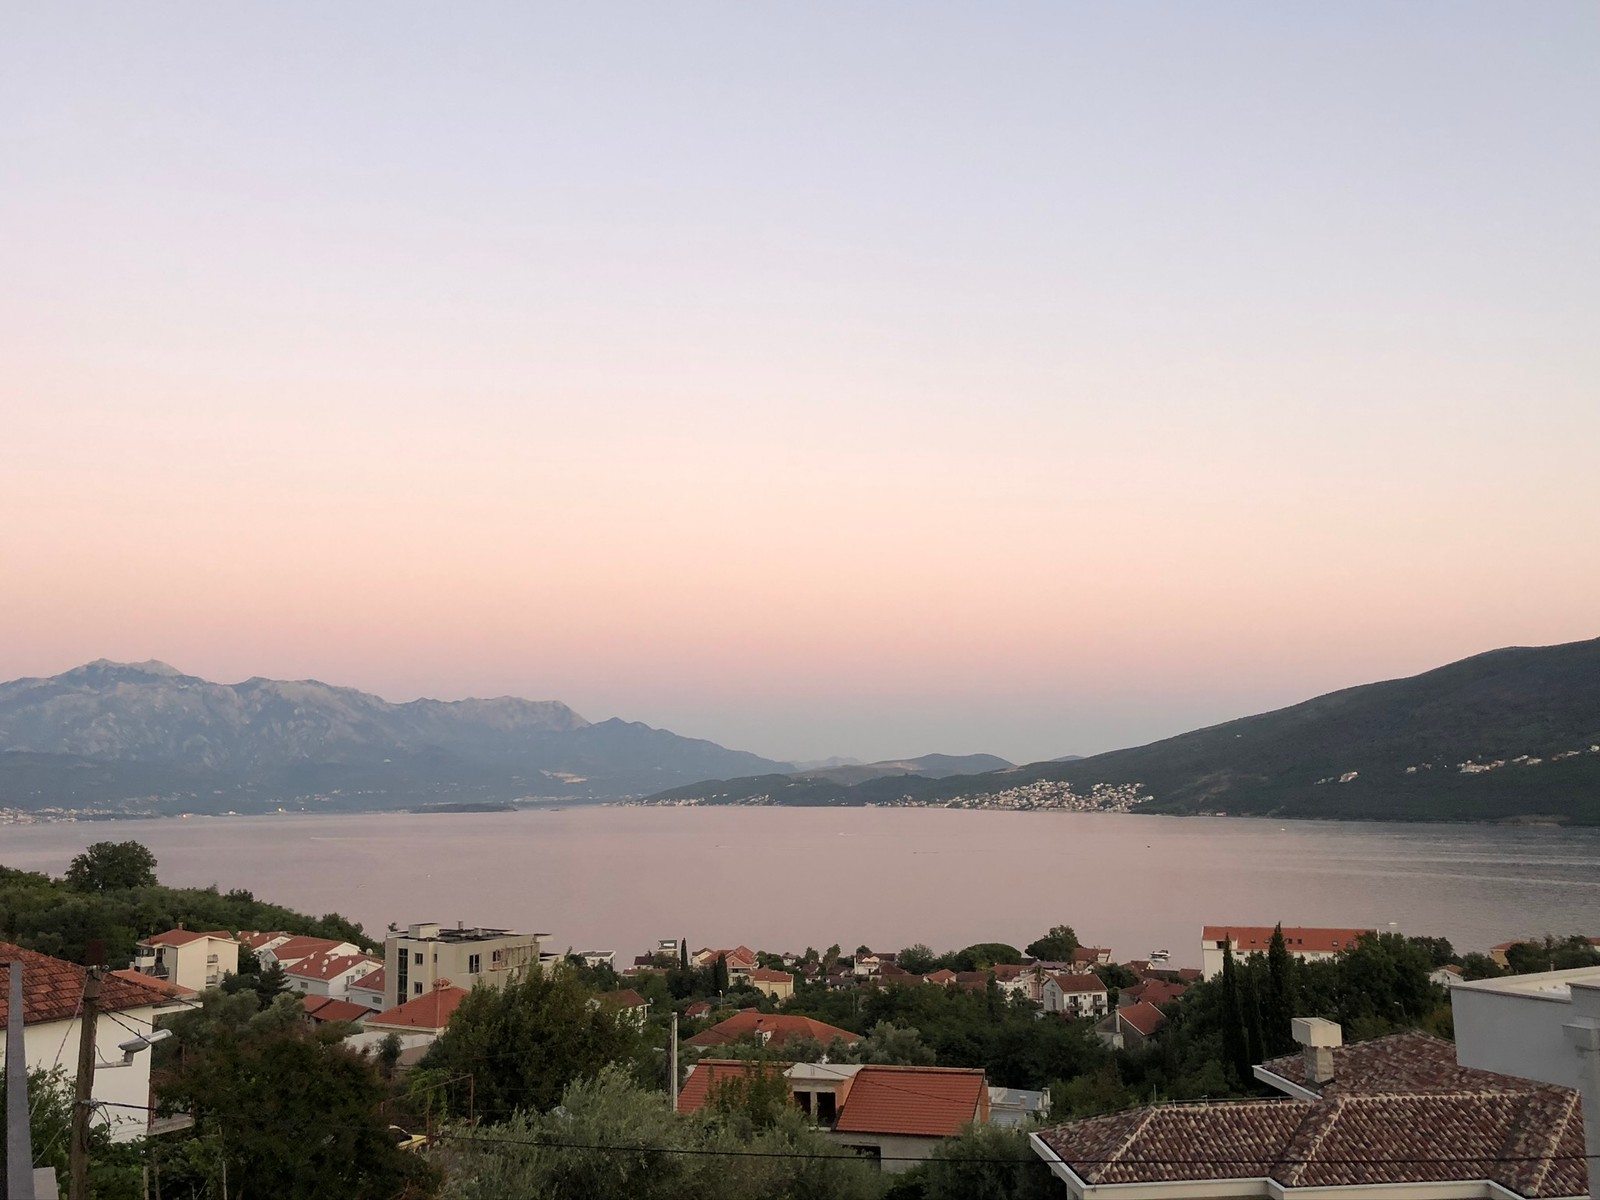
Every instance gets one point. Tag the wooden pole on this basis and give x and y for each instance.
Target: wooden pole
(672, 1065)
(83, 1107)
(19, 1135)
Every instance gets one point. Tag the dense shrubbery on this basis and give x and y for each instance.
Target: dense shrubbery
(62, 916)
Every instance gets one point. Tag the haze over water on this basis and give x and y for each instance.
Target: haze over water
(785, 879)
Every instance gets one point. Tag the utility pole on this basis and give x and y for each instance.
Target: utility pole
(672, 1065)
(19, 1135)
(78, 1149)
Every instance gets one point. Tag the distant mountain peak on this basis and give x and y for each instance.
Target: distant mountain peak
(151, 666)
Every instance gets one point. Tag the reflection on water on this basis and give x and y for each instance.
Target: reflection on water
(790, 878)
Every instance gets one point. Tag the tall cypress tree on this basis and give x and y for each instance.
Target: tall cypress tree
(1235, 1050)
(1254, 1034)
(1280, 995)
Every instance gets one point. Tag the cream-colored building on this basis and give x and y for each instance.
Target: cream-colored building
(428, 952)
(188, 958)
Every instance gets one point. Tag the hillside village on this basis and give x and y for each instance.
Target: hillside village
(891, 1058)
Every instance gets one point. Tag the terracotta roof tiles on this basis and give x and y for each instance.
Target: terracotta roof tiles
(52, 988)
(776, 1028)
(915, 1101)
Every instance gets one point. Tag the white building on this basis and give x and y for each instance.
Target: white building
(1544, 1027)
(428, 953)
(1307, 944)
(188, 958)
(52, 997)
(330, 974)
(1075, 995)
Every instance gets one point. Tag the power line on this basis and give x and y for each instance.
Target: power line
(700, 1152)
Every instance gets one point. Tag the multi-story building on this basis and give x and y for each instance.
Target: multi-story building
(427, 952)
(1307, 944)
(188, 958)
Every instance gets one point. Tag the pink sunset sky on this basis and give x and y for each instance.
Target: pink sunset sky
(1029, 379)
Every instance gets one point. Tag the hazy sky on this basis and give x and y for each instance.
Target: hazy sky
(821, 379)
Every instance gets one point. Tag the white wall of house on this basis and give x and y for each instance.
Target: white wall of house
(1515, 1025)
(55, 1044)
(897, 1151)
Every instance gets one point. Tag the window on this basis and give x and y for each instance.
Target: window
(404, 966)
(803, 1099)
(474, 963)
(419, 958)
(827, 1108)
(416, 988)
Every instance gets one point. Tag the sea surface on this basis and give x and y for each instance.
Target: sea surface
(784, 879)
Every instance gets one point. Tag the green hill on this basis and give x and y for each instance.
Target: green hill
(1530, 715)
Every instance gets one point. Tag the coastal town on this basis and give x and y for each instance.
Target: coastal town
(1296, 1042)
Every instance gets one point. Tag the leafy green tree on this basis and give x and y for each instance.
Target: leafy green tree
(1055, 946)
(754, 1099)
(916, 958)
(113, 1169)
(525, 1042)
(1440, 951)
(1479, 966)
(112, 866)
(290, 1114)
(888, 1044)
(987, 1162)
(591, 1149)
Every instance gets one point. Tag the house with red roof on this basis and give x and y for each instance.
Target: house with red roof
(768, 1029)
(52, 1004)
(367, 989)
(295, 949)
(700, 1008)
(1305, 943)
(324, 1010)
(895, 1116)
(1131, 1025)
(1075, 995)
(190, 958)
(429, 1013)
(626, 1003)
(329, 974)
(741, 960)
(943, 977)
(777, 984)
(1155, 991)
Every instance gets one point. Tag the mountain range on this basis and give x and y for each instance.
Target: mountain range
(1511, 734)
(147, 737)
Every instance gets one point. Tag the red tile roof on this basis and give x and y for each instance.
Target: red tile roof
(52, 988)
(1253, 939)
(165, 986)
(1398, 1111)
(1155, 991)
(918, 1101)
(372, 981)
(432, 1011)
(698, 1009)
(1144, 1017)
(942, 975)
(1079, 983)
(326, 1008)
(323, 967)
(1090, 954)
(778, 1026)
(710, 1073)
(297, 948)
(622, 998)
(182, 937)
(255, 939)
(764, 975)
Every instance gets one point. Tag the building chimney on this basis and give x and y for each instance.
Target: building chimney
(1320, 1039)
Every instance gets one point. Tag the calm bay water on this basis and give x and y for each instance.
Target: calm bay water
(620, 878)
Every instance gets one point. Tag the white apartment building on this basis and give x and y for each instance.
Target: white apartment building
(427, 952)
(188, 958)
(1307, 944)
